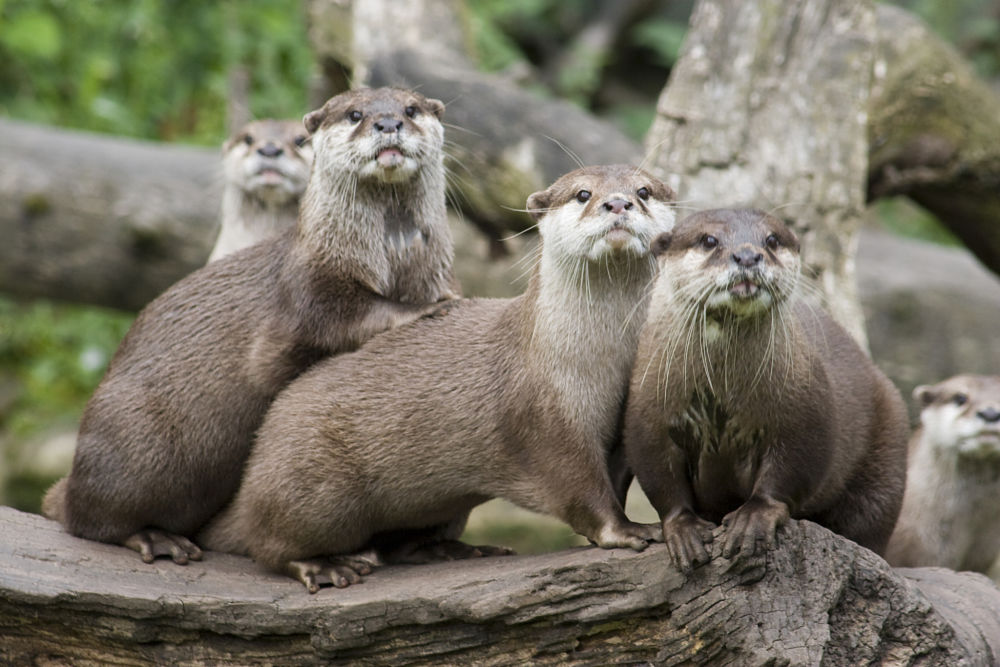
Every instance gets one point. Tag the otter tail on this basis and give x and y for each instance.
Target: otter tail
(54, 502)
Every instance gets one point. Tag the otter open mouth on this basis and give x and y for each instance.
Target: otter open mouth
(744, 289)
(390, 157)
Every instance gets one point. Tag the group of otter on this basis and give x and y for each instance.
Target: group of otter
(324, 401)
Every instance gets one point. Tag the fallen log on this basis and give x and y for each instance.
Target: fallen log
(822, 600)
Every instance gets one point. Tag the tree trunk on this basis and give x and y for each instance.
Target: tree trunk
(767, 106)
(822, 600)
(935, 133)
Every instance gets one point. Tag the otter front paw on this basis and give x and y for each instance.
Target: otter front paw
(753, 524)
(686, 536)
(627, 534)
(152, 543)
(338, 571)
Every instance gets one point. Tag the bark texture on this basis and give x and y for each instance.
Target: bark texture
(102, 220)
(767, 106)
(822, 600)
(934, 133)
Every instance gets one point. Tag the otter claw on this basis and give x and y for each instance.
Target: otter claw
(340, 572)
(153, 542)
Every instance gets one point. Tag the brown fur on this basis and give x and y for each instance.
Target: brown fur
(517, 398)
(266, 166)
(164, 438)
(748, 412)
(949, 516)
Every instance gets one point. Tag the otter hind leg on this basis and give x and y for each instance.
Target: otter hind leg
(151, 543)
(412, 553)
(338, 571)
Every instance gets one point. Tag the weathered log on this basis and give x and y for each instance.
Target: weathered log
(822, 600)
(102, 220)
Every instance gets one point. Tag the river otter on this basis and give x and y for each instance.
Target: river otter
(949, 515)
(515, 398)
(165, 436)
(266, 166)
(748, 405)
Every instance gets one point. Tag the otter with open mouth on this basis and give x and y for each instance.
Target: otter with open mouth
(749, 405)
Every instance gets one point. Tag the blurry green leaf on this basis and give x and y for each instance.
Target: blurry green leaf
(33, 34)
(662, 37)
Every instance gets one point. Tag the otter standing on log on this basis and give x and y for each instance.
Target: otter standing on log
(515, 398)
(266, 167)
(949, 515)
(165, 436)
(748, 405)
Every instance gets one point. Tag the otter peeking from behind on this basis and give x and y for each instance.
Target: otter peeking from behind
(514, 398)
(949, 516)
(164, 438)
(266, 167)
(748, 405)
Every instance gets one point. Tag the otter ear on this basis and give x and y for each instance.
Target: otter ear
(538, 204)
(661, 244)
(924, 395)
(436, 107)
(314, 119)
(668, 192)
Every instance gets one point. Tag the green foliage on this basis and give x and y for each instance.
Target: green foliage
(51, 358)
(149, 68)
(662, 37)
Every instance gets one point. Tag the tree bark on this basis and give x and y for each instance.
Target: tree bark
(767, 106)
(934, 133)
(101, 220)
(822, 600)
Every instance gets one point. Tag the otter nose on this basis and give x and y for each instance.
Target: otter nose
(989, 415)
(270, 150)
(747, 257)
(617, 205)
(388, 124)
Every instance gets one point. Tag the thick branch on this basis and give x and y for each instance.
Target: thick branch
(822, 599)
(934, 133)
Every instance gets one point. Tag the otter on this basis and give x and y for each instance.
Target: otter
(266, 167)
(749, 405)
(514, 398)
(164, 438)
(953, 481)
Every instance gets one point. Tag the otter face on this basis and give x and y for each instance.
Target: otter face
(603, 213)
(961, 415)
(739, 262)
(381, 134)
(269, 160)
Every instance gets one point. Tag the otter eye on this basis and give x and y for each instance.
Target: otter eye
(582, 196)
(410, 111)
(709, 241)
(247, 139)
(643, 193)
(959, 399)
(354, 116)
(301, 140)
(772, 242)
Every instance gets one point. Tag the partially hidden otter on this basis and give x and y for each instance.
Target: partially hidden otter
(164, 438)
(949, 516)
(748, 405)
(514, 398)
(266, 167)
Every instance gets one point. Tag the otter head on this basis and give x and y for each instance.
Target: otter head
(380, 134)
(961, 416)
(604, 213)
(731, 262)
(269, 160)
